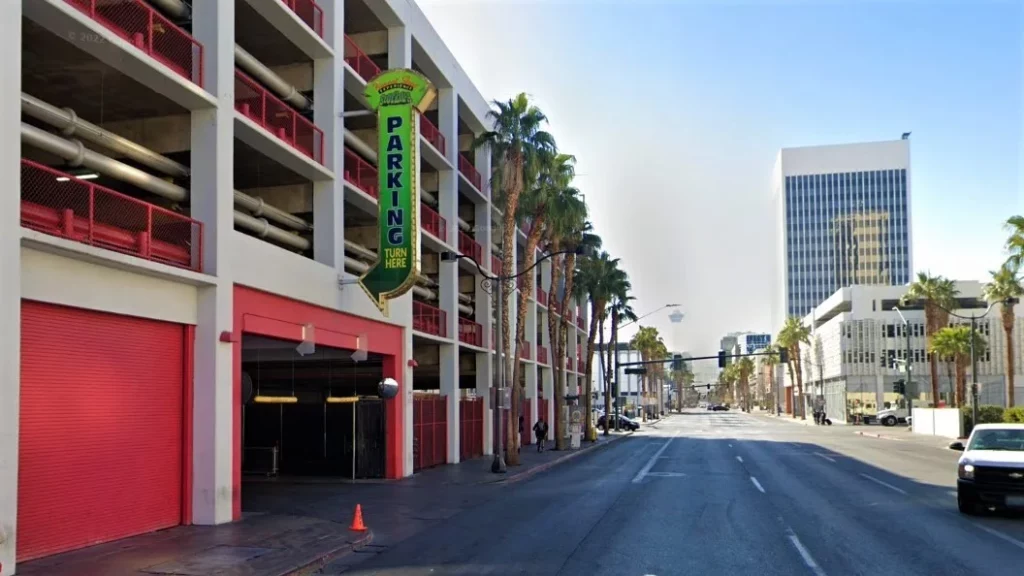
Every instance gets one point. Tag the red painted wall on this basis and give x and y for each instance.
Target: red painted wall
(257, 312)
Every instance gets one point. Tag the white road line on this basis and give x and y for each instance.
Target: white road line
(999, 535)
(650, 463)
(886, 484)
(730, 445)
(740, 458)
(826, 458)
(757, 484)
(808, 559)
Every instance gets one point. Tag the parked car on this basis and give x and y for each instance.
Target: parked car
(624, 422)
(990, 473)
(721, 408)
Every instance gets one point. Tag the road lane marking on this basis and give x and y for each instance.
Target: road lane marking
(808, 559)
(730, 445)
(650, 463)
(740, 458)
(757, 484)
(998, 534)
(826, 458)
(886, 484)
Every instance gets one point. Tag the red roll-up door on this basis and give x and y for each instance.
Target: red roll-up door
(100, 444)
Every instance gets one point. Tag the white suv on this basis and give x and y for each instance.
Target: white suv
(990, 473)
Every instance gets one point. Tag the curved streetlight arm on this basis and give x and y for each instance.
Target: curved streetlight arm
(448, 256)
(648, 314)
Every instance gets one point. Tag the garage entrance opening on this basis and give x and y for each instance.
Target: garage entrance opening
(310, 415)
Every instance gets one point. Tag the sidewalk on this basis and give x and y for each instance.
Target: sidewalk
(294, 527)
(903, 434)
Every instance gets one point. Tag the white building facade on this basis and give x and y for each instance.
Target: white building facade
(858, 338)
(843, 218)
(199, 189)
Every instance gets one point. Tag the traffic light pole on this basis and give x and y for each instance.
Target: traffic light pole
(908, 391)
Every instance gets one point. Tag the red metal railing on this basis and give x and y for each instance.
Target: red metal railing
(434, 223)
(527, 353)
(568, 363)
(470, 172)
(581, 366)
(309, 12)
(359, 61)
(542, 296)
(470, 247)
(255, 102)
(579, 319)
(495, 265)
(471, 428)
(361, 173)
(149, 31)
(430, 431)
(542, 355)
(470, 332)
(432, 134)
(61, 205)
(426, 318)
(542, 410)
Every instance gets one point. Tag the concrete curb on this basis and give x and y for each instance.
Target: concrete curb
(548, 465)
(318, 563)
(882, 436)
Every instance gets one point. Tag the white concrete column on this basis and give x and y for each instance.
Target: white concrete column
(448, 276)
(213, 442)
(449, 377)
(399, 47)
(10, 285)
(547, 382)
(328, 107)
(402, 308)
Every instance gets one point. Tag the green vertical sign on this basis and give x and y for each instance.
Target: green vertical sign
(398, 96)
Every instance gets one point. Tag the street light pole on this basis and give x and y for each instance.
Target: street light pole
(974, 373)
(489, 283)
(907, 387)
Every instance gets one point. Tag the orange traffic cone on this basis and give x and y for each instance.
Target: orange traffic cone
(357, 520)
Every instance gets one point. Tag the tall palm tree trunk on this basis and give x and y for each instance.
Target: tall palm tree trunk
(512, 173)
(931, 326)
(558, 367)
(798, 367)
(588, 372)
(517, 367)
(605, 374)
(1009, 320)
(961, 381)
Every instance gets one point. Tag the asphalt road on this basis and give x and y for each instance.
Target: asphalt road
(723, 493)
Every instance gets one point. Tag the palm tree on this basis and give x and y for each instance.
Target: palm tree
(1015, 242)
(592, 277)
(620, 311)
(793, 334)
(517, 145)
(955, 341)
(611, 284)
(744, 368)
(646, 341)
(938, 295)
(1006, 289)
(726, 380)
(567, 214)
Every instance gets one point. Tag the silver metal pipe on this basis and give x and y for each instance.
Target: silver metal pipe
(263, 229)
(270, 79)
(70, 125)
(357, 144)
(77, 155)
(260, 208)
(173, 8)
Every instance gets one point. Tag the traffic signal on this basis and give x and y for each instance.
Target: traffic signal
(709, 387)
(899, 387)
(677, 362)
(721, 358)
(783, 355)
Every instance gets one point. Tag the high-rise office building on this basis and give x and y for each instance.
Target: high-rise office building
(843, 217)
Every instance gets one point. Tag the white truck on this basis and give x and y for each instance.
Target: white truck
(892, 416)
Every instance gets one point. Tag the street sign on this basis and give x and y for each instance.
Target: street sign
(636, 370)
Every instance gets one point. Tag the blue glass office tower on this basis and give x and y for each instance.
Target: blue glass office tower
(843, 215)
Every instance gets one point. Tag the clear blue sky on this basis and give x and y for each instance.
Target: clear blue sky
(676, 111)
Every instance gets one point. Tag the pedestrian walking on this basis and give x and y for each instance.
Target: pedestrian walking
(541, 430)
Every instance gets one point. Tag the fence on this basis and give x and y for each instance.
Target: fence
(432, 134)
(434, 223)
(149, 31)
(470, 332)
(471, 428)
(542, 355)
(262, 107)
(470, 172)
(429, 319)
(361, 173)
(470, 247)
(359, 61)
(430, 431)
(309, 12)
(62, 205)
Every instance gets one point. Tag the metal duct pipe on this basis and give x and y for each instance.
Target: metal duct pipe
(360, 250)
(71, 125)
(263, 229)
(173, 8)
(357, 144)
(260, 208)
(270, 79)
(75, 153)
